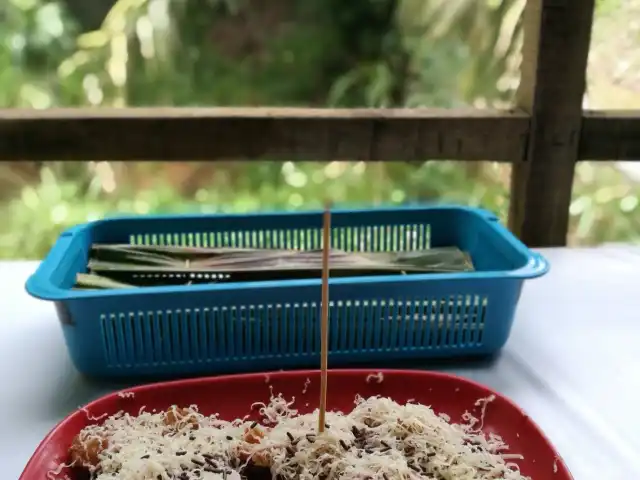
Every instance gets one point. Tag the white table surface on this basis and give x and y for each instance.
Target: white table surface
(572, 362)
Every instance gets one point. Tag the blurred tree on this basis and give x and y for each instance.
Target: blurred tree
(251, 52)
(88, 14)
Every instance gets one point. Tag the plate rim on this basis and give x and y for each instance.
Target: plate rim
(562, 468)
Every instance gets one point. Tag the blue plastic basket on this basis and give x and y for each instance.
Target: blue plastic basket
(232, 327)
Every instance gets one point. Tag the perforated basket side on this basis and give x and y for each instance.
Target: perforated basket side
(199, 337)
(362, 238)
(263, 331)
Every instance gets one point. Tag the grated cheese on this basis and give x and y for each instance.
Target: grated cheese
(482, 403)
(378, 377)
(92, 418)
(56, 472)
(307, 382)
(380, 439)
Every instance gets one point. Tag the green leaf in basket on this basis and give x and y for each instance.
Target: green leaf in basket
(142, 265)
(87, 281)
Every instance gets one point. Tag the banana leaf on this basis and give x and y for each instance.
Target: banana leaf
(86, 281)
(407, 262)
(162, 254)
(135, 265)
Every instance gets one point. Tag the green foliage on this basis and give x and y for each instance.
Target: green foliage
(295, 52)
(59, 200)
(34, 37)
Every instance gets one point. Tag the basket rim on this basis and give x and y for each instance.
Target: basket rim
(39, 284)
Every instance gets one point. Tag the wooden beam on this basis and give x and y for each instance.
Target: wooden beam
(252, 133)
(554, 61)
(175, 134)
(610, 135)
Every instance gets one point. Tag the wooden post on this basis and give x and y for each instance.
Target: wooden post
(557, 36)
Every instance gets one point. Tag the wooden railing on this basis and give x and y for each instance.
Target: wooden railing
(543, 137)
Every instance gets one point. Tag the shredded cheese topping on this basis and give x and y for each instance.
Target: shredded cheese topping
(379, 439)
(378, 377)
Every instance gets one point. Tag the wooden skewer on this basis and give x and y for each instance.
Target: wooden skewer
(324, 331)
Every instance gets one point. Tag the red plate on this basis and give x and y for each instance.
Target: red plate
(232, 396)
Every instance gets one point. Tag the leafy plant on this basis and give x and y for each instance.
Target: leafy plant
(293, 52)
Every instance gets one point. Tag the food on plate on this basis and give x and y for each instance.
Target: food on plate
(379, 439)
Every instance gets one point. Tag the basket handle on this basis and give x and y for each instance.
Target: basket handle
(40, 284)
(537, 266)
